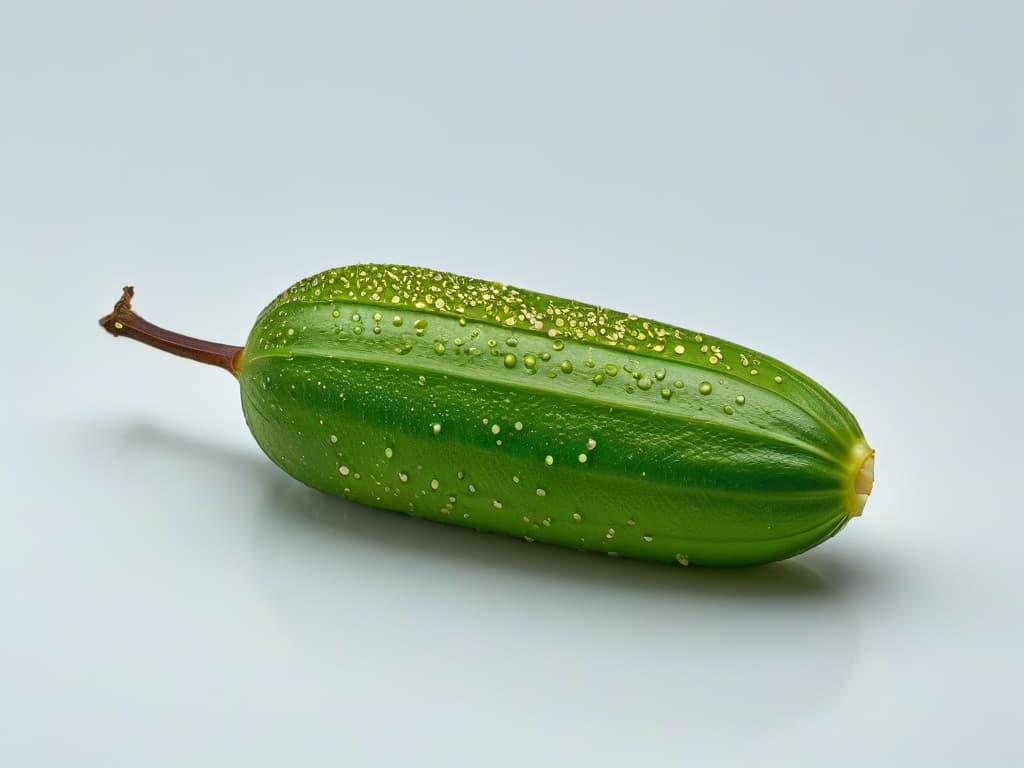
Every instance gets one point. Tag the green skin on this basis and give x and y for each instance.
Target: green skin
(473, 403)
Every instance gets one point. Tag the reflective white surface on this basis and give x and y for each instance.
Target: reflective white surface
(838, 187)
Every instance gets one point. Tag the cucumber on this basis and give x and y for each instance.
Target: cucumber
(474, 403)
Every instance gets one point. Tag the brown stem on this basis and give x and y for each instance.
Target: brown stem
(124, 322)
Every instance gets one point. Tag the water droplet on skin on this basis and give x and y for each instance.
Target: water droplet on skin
(334, 438)
(728, 410)
(335, 313)
(778, 379)
(510, 360)
(439, 348)
(644, 383)
(558, 345)
(545, 356)
(291, 331)
(355, 317)
(582, 458)
(541, 492)
(396, 321)
(660, 374)
(753, 371)
(420, 324)
(713, 359)
(388, 452)
(598, 378)
(515, 478)
(566, 366)
(519, 426)
(666, 393)
(422, 381)
(549, 460)
(577, 516)
(436, 428)
(610, 534)
(528, 539)
(435, 484)
(705, 388)
(611, 369)
(682, 559)
(492, 343)
(677, 384)
(530, 361)
(740, 399)
(495, 429)
(344, 470)
(546, 522)
(497, 504)
(647, 538)
(512, 342)
(403, 477)
(591, 444)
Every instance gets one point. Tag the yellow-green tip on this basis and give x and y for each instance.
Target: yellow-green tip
(862, 464)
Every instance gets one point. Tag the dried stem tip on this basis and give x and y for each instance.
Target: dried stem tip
(123, 321)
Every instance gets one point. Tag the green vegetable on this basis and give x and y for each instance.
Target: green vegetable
(475, 403)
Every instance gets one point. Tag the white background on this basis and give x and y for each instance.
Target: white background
(837, 184)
